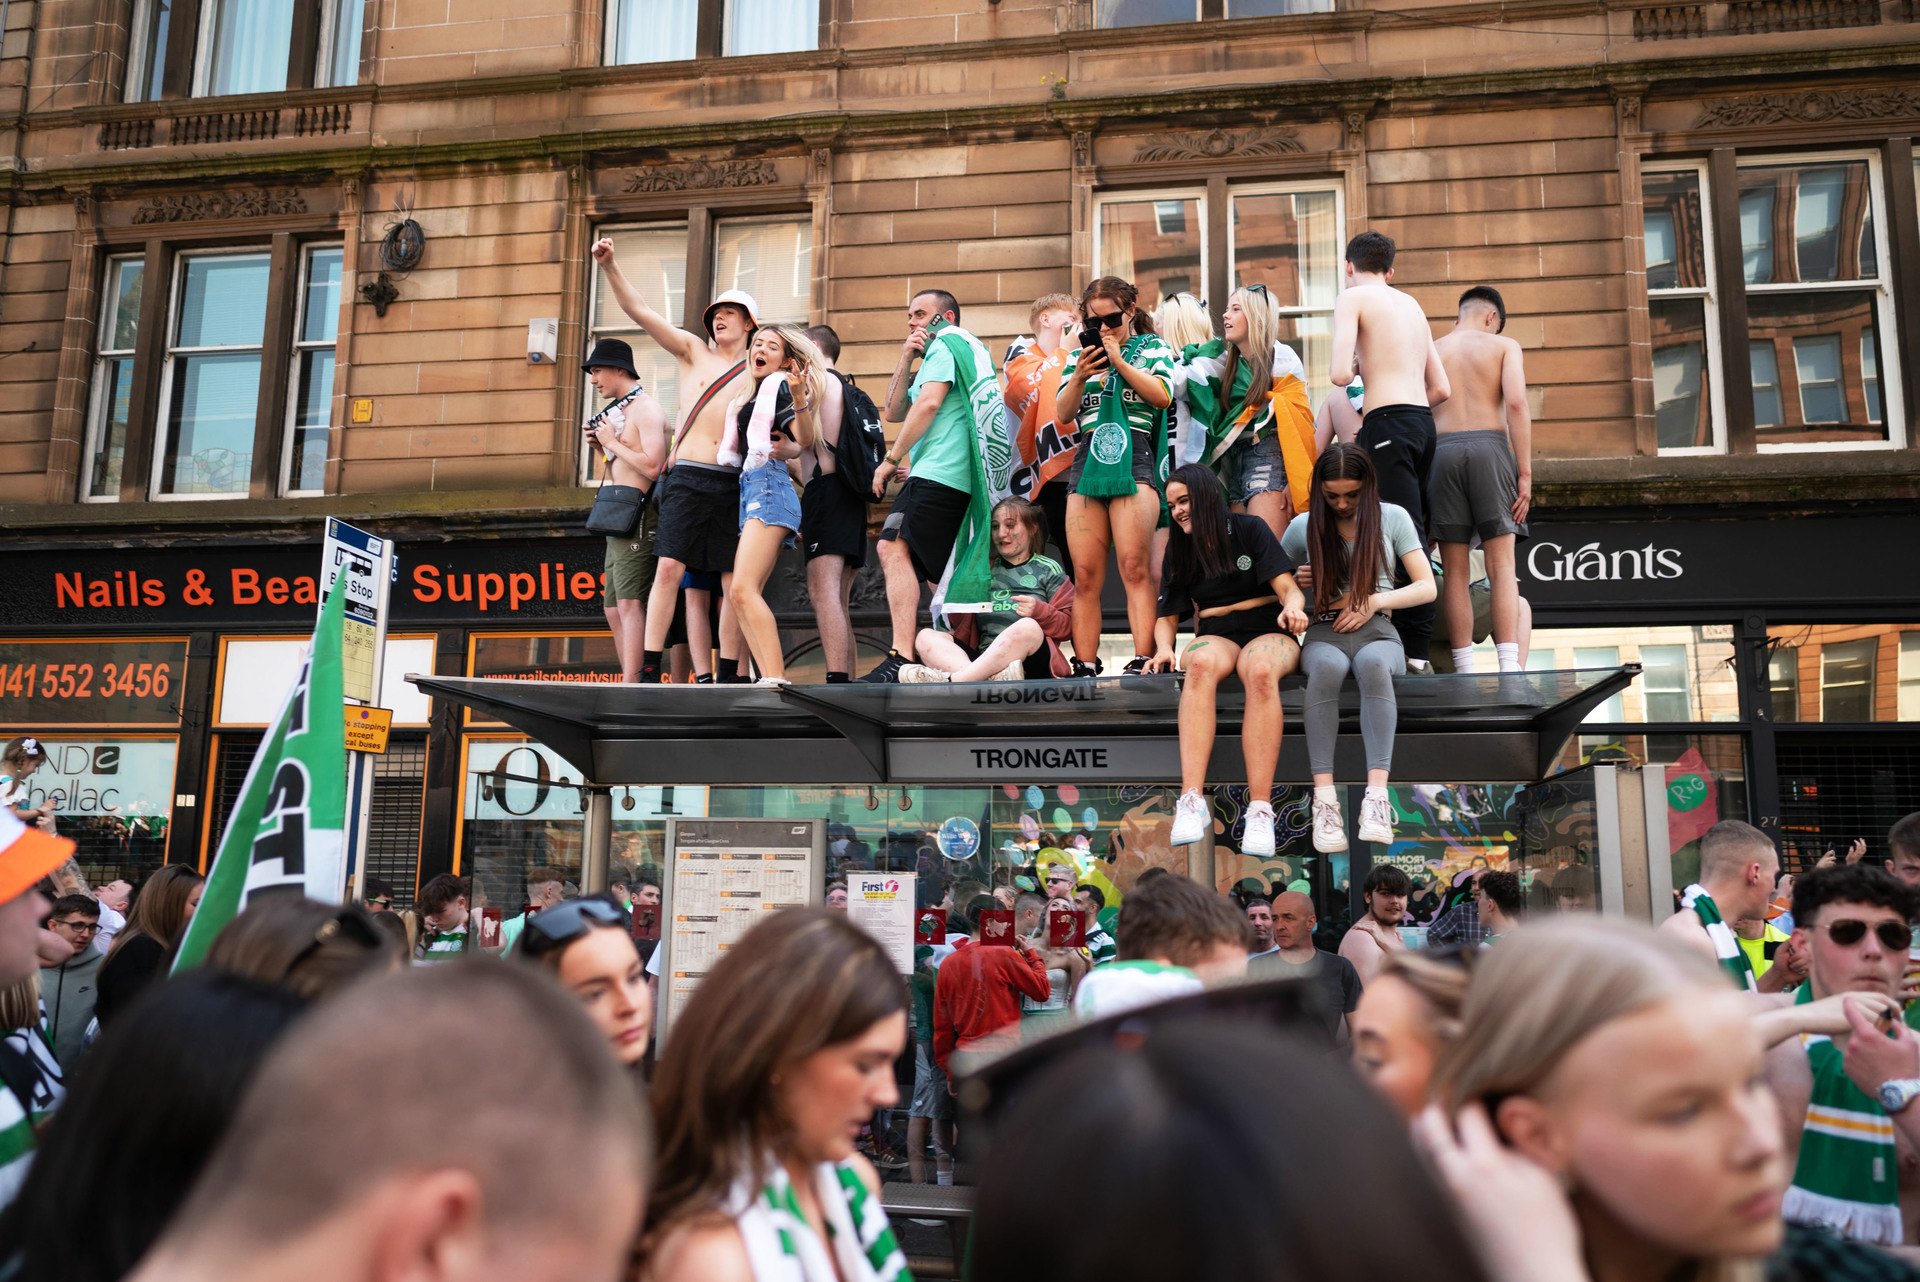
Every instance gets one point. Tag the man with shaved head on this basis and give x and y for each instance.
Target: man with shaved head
(1294, 955)
(1738, 865)
(357, 1156)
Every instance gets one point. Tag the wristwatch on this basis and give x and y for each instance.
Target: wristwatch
(1898, 1093)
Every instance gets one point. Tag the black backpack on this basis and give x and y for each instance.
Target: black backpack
(863, 440)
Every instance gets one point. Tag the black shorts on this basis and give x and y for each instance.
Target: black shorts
(1400, 440)
(1053, 501)
(699, 517)
(1243, 626)
(926, 517)
(833, 520)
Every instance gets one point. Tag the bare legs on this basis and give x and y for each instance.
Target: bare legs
(627, 620)
(752, 567)
(830, 589)
(903, 592)
(1456, 591)
(1275, 507)
(1207, 661)
(1126, 527)
(940, 651)
(1260, 665)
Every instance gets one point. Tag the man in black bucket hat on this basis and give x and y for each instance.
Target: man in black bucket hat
(630, 434)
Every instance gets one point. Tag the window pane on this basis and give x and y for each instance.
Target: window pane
(1683, 415)
(312, 410)
(124, 279)
(1783, 684)
(1311, 338)
(1846, 680)
(1832, 217)
(343, 60)
(771, 26)
(320, 321)
(1140, 13)
(769, 258)
(1275, 8)
(148, 59)
(223, 301)
(1675, 231)
(116, 387)
(1826, 334)
(1139, 242)
(251, 41)
(653, 30)
(1766, 386)
(1870, 373)
(210, 425)
(1686, 669)
(1289, 242)
(1910, 676)
(1614, 708)
(654, 260)
(1663, 682)
(1756, 234)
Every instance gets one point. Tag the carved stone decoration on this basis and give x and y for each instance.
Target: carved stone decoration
(1082, 149)
(1356, 127)
(1630, 113)
(702, 175)
(819, 167)
(254, 202)
(1812, 107)
(82, 205)
(1217, 144)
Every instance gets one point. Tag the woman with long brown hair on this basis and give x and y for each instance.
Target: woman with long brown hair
(1115, 393)
(144, 947)
(1349, 540)
(779, 1059)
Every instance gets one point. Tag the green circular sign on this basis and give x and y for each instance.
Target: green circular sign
(1687, 792)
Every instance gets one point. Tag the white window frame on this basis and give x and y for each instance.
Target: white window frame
(1717, 408)
(140, 55)
(176, 282)
(1873, 675)
(102, 400)
(1648, 690)
(300, 348)
(586, 465)
(1316, 186)
(1147, 196)
(1892, 398)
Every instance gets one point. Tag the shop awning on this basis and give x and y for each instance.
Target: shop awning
(1489, 728)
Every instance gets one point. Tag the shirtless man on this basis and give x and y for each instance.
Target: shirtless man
(631, 435)
(1383, 329)
(1482, 480)
(1369, 940)
(698, 499)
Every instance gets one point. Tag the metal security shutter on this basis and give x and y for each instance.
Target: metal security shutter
(229, 777)
(393, 820)
(1834, 789)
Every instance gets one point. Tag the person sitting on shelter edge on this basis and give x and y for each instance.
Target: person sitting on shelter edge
(1229, 572)
(1033, 612)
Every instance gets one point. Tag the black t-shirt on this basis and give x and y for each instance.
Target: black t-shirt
(1335, 976)
(782, 416)
(1257, 561)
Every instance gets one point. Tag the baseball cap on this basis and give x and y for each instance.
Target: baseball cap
(26, 855)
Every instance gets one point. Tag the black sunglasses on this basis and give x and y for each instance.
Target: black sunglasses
(565, 922)
(1851, 930)
(351, 922)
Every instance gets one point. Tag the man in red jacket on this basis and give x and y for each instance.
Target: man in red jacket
(976, 999)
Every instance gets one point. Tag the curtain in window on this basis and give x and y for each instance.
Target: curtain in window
(653, 30)
(771, 26)
(343, 60)
(251, 43)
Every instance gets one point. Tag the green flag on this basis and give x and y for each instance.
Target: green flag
(966, 585)
(289, 831)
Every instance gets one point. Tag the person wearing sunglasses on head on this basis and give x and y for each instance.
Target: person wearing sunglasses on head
(585, 944)
(311, 949)
(1848, 1098)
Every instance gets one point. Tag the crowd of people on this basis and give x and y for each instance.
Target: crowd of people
(1574, 1097)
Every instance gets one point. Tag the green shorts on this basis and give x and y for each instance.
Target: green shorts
(631, 563)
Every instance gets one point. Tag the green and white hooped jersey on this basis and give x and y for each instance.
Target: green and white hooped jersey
(44, 1089)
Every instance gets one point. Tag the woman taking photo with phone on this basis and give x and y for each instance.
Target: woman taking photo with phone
(772, 425)
(1230, 574)
(777, 1062)
(1349, 541)
(1115, 391)
(585, 944)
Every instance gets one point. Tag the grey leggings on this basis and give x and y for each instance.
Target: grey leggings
(1375, 657)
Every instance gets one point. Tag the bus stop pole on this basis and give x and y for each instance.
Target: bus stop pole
(597, 838)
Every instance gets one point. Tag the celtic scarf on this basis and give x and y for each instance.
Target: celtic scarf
(966, 586)
(1846, 1178)
(1211, 417)
(1108, 470)
(1725, 945)
(782, 1246)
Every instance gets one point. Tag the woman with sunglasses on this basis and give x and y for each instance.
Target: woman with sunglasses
(1114, 392)
(309, 948)
(1350, 542)
(586, 945)
(777, 1062)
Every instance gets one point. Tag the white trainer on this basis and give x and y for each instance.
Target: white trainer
(1014, 671)
(1376, 819)
(1190, 819)
(1257, 839)
(920, 674)
(773, 681)
(1329, 829)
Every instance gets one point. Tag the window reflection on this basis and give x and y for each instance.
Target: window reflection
(1766, 386)
(1141, 13)
(1681, 405)
(1826, 210)
(1835, 672)
(1686, 670)
(1675, 231)
(1155, 243)
(1756, 235)
(1834, 392)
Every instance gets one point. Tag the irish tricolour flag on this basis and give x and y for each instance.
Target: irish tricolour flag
(288, 834)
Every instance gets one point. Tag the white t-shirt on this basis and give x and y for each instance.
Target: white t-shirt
(1126, 985)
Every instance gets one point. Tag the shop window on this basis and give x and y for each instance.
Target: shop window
(113, 376)
(1910, 676)
(255, 674)
(1783, 684)
(672, 30)
(1846, 680)
(214, 48)
(111, 794)
(1687, 671)
(770, 257)
(1614, 707)
(1663, 682)
(1680, 305)
(1818, 296)
(1149, 238)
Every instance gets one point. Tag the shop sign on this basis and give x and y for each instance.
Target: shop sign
(90, 682)
(130, 778)
(1025, 757)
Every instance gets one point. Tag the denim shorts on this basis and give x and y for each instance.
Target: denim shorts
(767, 495)
(1253, 467)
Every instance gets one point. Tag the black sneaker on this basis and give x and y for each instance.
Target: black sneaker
(1136, 666)
(887, 671)
(1081, 669)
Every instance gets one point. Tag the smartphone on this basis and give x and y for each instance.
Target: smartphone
(937, 324)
